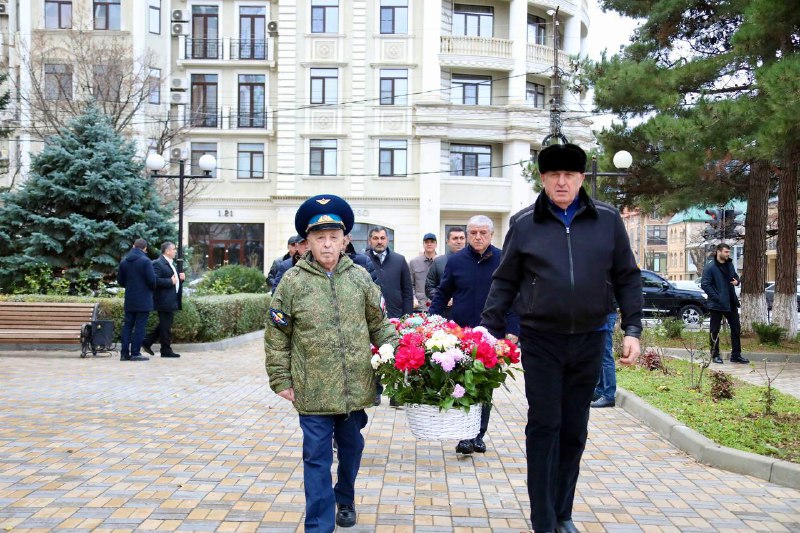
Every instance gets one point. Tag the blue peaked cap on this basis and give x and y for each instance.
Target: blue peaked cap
(324, 211)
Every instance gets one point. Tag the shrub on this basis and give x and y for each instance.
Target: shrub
(673, 327)
(233, 279)
(651, 360)
(769, 333)
(721, 386)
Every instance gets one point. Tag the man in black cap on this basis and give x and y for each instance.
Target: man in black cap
(297, 250)
(567, 257)
(291, 247)
(419, 267)
(324, 315)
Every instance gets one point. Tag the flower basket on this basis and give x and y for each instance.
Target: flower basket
(427, 422)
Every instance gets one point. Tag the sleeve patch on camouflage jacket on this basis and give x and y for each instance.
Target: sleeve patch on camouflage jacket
(278, 317)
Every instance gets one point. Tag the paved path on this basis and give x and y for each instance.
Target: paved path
(201, 444)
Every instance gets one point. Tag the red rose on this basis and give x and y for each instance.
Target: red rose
(409, 358)
(412, 339)
(484, 352)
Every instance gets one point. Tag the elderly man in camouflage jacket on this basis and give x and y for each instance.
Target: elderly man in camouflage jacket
(324, 314)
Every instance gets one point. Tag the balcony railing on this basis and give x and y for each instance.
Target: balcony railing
(203, 48)
(544, 54)
(249, 120)
(476, 46)
(249, 49)
(217, 119)
(204, 118)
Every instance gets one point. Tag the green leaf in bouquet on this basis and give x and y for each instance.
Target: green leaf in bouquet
(478, 366)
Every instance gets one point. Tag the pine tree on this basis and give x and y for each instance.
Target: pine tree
(86, 201)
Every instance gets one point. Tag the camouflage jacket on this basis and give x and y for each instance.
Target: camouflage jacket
(318, 336)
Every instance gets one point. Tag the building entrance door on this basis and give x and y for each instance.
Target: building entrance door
(228, 252)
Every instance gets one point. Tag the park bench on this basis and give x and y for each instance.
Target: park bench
(45, 322)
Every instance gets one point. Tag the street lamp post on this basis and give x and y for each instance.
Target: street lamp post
(622, 160)
(155, 162)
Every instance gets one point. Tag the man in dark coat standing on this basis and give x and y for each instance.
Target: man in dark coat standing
(718, 282)
(167, 300)
(394, 277)
(137, 276)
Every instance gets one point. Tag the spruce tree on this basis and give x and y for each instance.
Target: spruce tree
(86, 200)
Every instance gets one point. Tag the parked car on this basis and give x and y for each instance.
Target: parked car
(769, 292)
(689, 285)
(662, 298)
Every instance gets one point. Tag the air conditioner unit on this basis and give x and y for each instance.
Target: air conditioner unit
(180, 15)
(3, 9)
(179, 84)
(179, 28)
(272, 26)
(179, 98)
(178, 154)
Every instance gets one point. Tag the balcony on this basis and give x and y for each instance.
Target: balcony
(203, 48)
(204, 118)
(476, 52)
(249, 119)
(540, 57)
(227, 49)
(229, 119)
(249, 49)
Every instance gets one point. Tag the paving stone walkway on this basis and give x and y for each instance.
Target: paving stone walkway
(201, 444)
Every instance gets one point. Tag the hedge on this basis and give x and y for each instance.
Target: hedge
(202, 319)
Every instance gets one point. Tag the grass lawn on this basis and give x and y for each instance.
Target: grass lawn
(750, 343)
(737, 423)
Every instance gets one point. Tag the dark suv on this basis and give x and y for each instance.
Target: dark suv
(661, 298)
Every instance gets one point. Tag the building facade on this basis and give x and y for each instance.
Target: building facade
(416, 111)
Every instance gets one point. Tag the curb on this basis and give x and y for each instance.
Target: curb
(707, 451)
(67, 351)
(755, 357)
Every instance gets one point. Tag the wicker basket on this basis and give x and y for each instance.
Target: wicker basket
(427, 422)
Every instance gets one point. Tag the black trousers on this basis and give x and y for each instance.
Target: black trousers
(162, 332)
(561, 372)
(732, 317)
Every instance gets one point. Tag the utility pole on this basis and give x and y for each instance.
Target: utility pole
(555, 136)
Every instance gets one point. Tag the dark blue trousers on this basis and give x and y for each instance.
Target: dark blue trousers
(321, 495)
(133, 333)
(560, 375)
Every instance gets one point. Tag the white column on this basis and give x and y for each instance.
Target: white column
(430, 188)
(572, 46)
(521, 190)
(518, 34)
(291, 91)
(430, 44)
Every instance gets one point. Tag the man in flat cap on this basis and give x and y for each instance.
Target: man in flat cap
(291, 247)
(298, 250)
(567, 257)
(324, 315)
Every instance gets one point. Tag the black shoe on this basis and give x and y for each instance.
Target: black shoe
(602, 401)
(138, 358)
(147, 349)
(566, 526)
(739, 359)
(478, 445)
(124, 357)
(596, 396)
(377, 401)
(170, 354)
(466, 447)
(346, 515)
(717, 359)
(393, 403)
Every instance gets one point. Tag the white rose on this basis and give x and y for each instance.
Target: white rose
(376, 361)
(386, 353)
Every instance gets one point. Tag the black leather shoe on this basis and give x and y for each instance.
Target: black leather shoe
(478, 445)
(466, 447)
(602, 401)
(138, 358)
(717, 359)
(147, 349)
(566, 526)
(124, 357)
(171, 354)
(377, 401)
(739, 359)
(346, 515)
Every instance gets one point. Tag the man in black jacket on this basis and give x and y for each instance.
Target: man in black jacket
(167, 300)
(718, 282)
(394, 277)
(136, 275)
(456, 240)
(567, 257)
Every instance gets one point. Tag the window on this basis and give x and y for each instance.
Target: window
(394, 86)
(537, 30)
(155, 86)
(470, 160)
(473, 21)
(198, 151)
(322, 159)
(251, 161)
(534, 156)
(656, 234)
(324, 85)
(203, 112)
(205, 42)
(107, 83)
(324, 16)
(58, 14)
(58, 82)
(393, 157)
(252, 103)
(394, 16)
(534, 94)
(107, 15)
(252, 33)
(658, 263)
(154, 17)
(471, 90)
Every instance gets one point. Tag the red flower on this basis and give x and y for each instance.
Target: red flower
(484, 352)
(508, 349)
(412, 339)
(409, 357)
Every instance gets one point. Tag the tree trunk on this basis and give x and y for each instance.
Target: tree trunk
(784, 307)
(754, 303)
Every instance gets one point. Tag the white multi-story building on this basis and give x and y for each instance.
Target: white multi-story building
(416, 111)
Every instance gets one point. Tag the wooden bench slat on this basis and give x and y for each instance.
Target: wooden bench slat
(44, 322)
